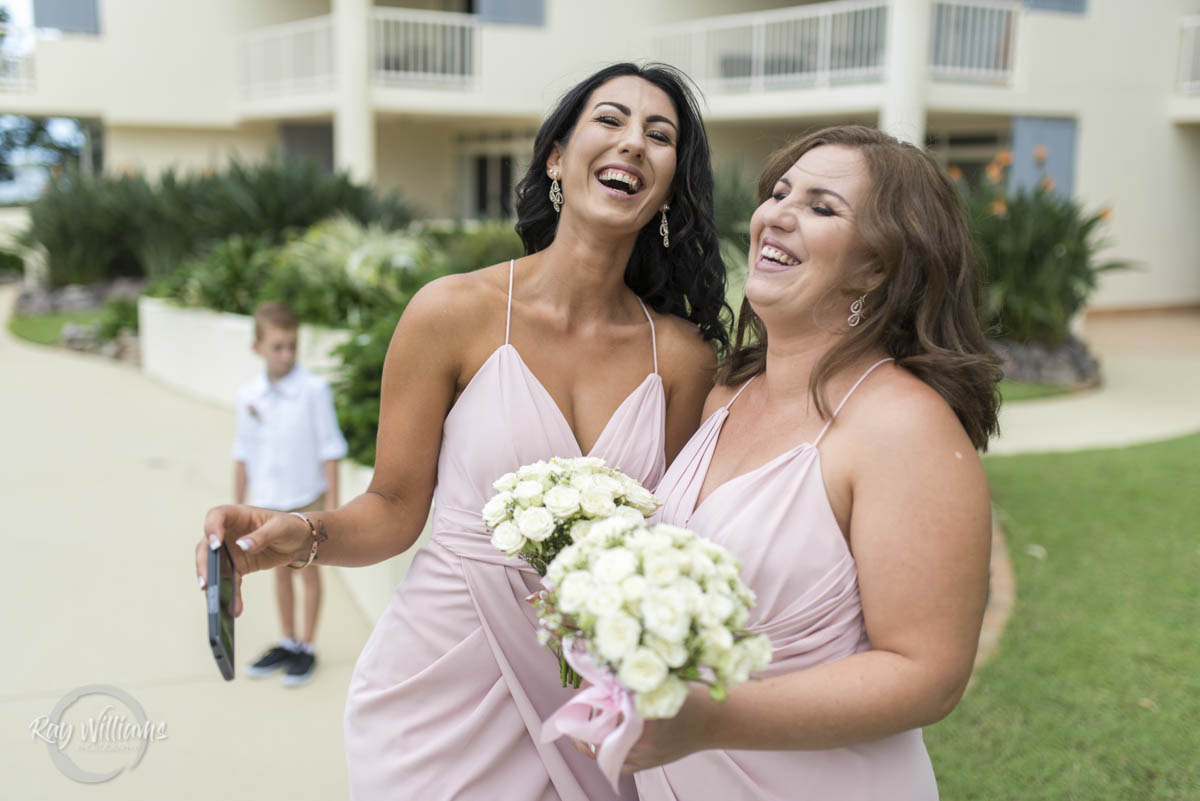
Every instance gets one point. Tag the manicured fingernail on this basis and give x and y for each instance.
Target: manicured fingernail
(214, 542)
(244, 544)
(201, 578)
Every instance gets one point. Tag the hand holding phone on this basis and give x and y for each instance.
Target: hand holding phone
(221, 601)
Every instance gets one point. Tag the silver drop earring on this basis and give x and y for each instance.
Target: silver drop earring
(556, 198)
(662, 227)
(857, 311)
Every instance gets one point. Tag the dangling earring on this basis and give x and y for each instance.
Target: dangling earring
(556, 198)
(857, 312)
(662, 227)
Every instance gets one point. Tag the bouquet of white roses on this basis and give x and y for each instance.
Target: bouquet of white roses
(640, 611)
(545, 506)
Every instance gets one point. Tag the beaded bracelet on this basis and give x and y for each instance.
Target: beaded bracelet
(312, 554)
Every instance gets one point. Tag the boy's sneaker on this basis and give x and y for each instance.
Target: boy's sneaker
(274, 659)
(301, 669)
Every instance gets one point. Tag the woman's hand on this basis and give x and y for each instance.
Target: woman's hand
(258, 539)
(665, 740)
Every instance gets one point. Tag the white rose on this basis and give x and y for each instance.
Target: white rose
(675, 654)
(616, 635)
(690, 590)
(506, 483)
(715, 609)
(579, 529)
(571, 556)
(528, 493)
(561, 501)
(759, 651)
(642, 670)
(555, 571)
(605, 600)
(716, 642)
(581, 481)
(700, 565)
(614, 565)
(679, 536)
(507, 537)
(634, 588)
(643, 499)
(663, 701)
(635, 517)
(537, 523)
(596, 502)
(495, 511)
(607, 483)
(602, 532)
(740, 617)
(574, 591)
(534, 472)
(588, 463)
(735, 667)
(665, 614)
(661, 568)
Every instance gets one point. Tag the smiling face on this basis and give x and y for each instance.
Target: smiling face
(803, 244)
(618, 162)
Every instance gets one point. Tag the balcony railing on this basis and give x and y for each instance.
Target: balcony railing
(423, 47)
(973, 40)
(295, 58)
(815, 45)
(16, 58)
(1189, 56)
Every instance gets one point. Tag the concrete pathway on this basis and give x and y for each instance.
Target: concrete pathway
(104, 481)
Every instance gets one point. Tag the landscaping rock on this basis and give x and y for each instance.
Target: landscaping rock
(80, 336)
(76, 297)
(35, 301)
(1067, 365)
(127, 288)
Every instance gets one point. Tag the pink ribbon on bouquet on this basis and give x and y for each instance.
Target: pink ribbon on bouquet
(595, 715)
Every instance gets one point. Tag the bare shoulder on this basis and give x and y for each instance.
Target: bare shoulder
(899, 418)
(721, 394)
(681, 347)
(457, 308)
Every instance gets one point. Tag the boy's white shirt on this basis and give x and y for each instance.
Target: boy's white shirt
(285, 432)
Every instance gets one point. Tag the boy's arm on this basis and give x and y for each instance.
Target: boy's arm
(331, 484)
(239, 481)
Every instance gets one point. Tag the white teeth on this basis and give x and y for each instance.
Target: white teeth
(775, 254)
(625, 178)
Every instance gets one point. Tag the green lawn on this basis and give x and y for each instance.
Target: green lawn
(44, 328)
(1016, 391)
(1094, 691)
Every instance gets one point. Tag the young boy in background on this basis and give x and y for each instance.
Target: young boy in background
(286, 450)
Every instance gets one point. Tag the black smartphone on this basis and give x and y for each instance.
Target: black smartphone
(221, 608)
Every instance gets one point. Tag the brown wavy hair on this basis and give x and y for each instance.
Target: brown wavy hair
(924, 312)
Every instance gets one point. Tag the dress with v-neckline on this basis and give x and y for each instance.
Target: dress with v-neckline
(777, 519)
(448, 697)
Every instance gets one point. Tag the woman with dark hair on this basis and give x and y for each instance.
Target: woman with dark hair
(838, 460)
(599, 341)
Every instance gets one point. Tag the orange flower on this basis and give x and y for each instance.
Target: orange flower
(1106, 214)
(1004, 158)
(993, 173)
(954, 172)
(998, 207)
(209, 172)
(1047, 184)
(1040, 153)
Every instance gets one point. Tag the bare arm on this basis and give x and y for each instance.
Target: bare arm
(239, 481)
(920, 534)
(331, 484)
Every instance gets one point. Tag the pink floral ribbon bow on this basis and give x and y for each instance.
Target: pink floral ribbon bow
(602, 715)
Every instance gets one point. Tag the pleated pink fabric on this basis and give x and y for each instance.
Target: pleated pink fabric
(778, 521)
(449, 694)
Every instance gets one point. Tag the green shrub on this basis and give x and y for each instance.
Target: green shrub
(230, 278)
(95, 227)
(11, 263)
(358, 384)
(1039, 252)
(118, 314)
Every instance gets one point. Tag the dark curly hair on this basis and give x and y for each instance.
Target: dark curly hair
(687, 279)
(925, 314)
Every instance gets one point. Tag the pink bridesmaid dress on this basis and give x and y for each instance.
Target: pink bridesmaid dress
(449, 694)
(778, 521)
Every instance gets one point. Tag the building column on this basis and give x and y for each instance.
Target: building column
(903, 113)
(353, 118)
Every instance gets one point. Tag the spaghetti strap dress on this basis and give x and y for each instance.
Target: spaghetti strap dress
(448, 696)
(777, 519)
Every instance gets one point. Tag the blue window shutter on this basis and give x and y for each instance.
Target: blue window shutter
(1058, 137)
(68, 16)
(1071, 6)
(516, 12)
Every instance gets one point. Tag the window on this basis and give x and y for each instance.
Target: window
(969, 152)
(68, 16)
(1071, 6)
(517, 12)
(491, 165)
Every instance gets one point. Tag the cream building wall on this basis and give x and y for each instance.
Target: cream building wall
(153, 149)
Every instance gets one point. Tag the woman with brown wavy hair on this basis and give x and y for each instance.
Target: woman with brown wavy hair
(846, 477)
